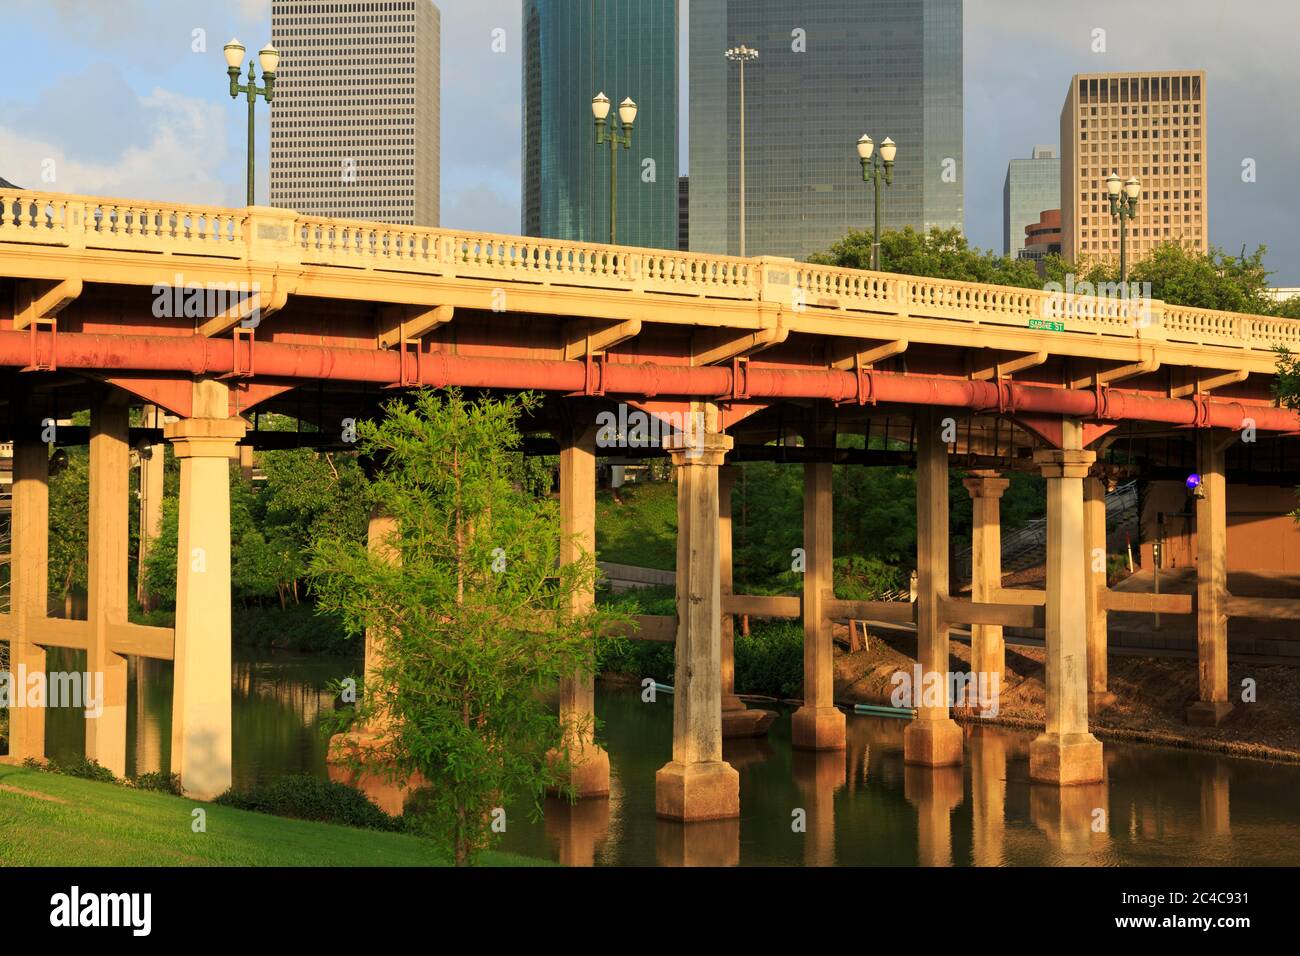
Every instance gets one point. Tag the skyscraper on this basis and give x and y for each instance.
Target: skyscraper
(1147, 125)
(1032, 187)
(354, 121)
(828, 71)
(572, 51)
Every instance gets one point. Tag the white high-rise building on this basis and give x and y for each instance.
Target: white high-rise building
(355, 115)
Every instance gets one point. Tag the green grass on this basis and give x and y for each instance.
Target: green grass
(52, 820)
(641, 527)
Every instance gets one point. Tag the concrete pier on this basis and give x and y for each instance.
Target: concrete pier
(697, 784)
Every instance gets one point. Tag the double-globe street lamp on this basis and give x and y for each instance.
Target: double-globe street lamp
(871, 159)
(607, 133)
(742, 55)
(270, 61)
(1123, 207)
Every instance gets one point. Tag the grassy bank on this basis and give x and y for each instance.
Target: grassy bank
(52, 820)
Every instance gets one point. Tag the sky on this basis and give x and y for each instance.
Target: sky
(129, 98)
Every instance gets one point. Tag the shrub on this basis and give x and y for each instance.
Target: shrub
(159, 781)
(81, 767)
(770, 660)
(307, 798)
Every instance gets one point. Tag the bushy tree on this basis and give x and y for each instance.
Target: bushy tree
(1180, 275)
(477, 615)
(939, 254)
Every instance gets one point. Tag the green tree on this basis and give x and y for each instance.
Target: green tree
(1287, 384)
(940, 254)
(477, 614)
(1180, 275)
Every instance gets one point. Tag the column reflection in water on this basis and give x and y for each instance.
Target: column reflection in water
(1075, 820)
(709, 843)
(819, 774)
(988, 787)
(152, 747)
(935, 792)
(580, 830)
(1216, 819)
(577, 829)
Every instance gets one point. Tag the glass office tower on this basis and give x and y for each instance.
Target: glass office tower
(828, 71)
(574, 49)
(1032, 187)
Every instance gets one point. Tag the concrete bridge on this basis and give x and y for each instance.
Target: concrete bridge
(216, 315)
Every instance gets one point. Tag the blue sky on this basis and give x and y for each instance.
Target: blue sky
(127, 99)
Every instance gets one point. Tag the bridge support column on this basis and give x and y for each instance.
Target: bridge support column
(151, 496)
(697, 784)
(201, 736)
(1066, 753)
(818, 724)
(988, 652)
(1094, 539)
(589, 775)
(933, 738)
(109, 524)
(29, 549)
(381, 536)
(380, 542)
(1213, 707)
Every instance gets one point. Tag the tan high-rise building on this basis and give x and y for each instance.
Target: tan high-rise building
(1148, 125)
(354, 121)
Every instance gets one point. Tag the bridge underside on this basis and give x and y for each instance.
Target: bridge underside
(913, 381)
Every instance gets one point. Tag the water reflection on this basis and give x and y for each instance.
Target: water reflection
(862, 806)
(819, 776)
(711, 843)
(277, 703)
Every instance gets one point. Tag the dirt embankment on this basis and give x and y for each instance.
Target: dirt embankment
(1151, 695)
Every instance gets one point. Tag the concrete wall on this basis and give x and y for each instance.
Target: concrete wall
(1262, 535)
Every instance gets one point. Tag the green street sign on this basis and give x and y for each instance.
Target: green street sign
(1047, 325)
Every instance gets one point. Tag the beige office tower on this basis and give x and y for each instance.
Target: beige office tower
(1148, 125)
(354, 121)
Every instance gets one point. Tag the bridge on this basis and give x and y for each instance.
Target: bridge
(218, 315)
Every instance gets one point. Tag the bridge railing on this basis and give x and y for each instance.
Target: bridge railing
(120, 224)
(280, 236)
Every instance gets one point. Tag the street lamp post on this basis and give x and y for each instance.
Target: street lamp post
(1123, 207)
(742, 55)
(871, 172)
(270, 60)
(607, 133)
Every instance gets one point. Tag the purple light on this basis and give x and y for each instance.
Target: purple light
(1193, 482)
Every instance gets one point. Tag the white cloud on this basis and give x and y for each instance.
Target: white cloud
(180, 162)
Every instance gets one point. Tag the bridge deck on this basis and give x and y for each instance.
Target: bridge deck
(54, 238)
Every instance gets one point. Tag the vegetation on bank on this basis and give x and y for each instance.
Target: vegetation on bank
(59, 820)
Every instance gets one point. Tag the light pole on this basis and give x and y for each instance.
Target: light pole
(742, 55)
(871, 161)
(1121, 208)
(627, 116)
(270, 60)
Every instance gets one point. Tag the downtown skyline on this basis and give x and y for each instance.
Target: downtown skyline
(172, 132)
